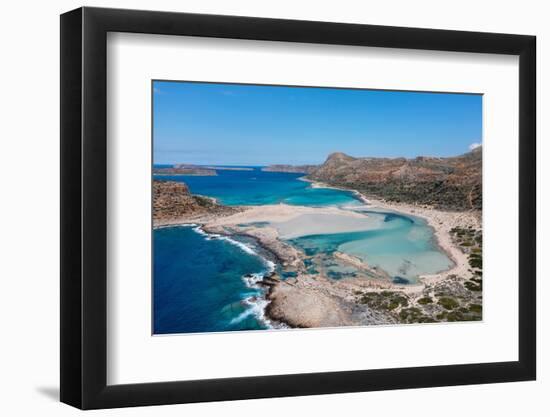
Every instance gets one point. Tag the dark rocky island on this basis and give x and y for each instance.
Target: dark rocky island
(198, 170)
(185, 171)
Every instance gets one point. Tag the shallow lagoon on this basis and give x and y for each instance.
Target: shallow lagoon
(402, 246)
(198, 281)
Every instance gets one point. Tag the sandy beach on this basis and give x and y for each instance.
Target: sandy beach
(298, 232)
(440, 221)
(270, 223)
(295, 221)
(315, 300)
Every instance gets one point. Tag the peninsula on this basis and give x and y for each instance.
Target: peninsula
(315, 288)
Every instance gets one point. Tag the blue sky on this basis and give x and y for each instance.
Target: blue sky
(202, 123)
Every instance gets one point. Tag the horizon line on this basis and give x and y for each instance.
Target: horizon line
(235, 164)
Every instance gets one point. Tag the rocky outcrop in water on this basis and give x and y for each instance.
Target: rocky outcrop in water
(172, 203)
(445, 183)
(180, 170)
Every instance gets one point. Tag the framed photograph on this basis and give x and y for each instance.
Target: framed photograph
(257, 208)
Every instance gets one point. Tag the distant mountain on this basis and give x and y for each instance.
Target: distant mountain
(298, 169)
(447, 183)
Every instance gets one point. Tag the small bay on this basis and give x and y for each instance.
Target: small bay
(201, 284)
(402, 246)
(258, 187)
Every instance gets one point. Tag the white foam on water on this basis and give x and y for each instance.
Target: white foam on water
(246, 248)
(256, 304)
(256, 307)
(270, 265)
(251, 280)
(241, 245)
(197, 229)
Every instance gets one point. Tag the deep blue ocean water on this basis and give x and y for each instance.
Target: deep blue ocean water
(198, 284)
(258, 188)
(201, 285)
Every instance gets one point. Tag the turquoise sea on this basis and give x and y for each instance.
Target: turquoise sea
(257, 187)
(403, 247)
(205, 283)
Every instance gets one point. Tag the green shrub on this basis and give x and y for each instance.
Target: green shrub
(425, 300)
(475, 261)
(365, 299)
(448, 303)
(455, 316)
(410, 315)
(475, 308)
(472, 286)
(426, 319)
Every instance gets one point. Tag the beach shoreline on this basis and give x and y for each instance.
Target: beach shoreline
(440, 221)
(306, 300)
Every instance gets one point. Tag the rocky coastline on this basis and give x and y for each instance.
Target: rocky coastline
(451, 183)
(302, 292)
(173, 204)
(299, 298)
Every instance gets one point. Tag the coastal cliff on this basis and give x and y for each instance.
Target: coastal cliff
(452, 183)
(324, 288)
(297, 169)
(173, 203)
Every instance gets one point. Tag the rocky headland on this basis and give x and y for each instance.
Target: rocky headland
(443, 183)
(444, 191)
(174, 204)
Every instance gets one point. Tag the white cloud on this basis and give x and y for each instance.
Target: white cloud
(474, 145)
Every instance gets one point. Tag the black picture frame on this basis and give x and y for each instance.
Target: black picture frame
(84, 207)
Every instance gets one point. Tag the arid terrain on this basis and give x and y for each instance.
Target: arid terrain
(443, 183)
(446, 192)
